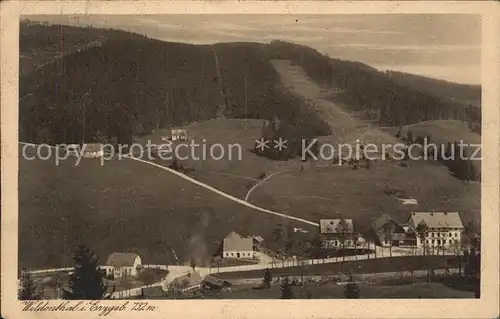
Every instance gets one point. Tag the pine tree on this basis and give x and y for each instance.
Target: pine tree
(267, 278)
(86, 282)
(343, 231)
(286, 289)
(410, 137)
(27, 287)
(193, 263)
(388, 230)
(398, 134)
(422, 229)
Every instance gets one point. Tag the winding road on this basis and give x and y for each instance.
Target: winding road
(217, 191)
(260, 183)
(223, 194)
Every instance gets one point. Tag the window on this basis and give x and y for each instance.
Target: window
(433, 241)
(449, 234)
(232, 254)
(432, 234)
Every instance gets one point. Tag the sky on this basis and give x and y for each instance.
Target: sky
(442, 46)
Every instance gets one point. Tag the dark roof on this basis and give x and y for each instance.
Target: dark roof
(156, 291)
(214, 281)
(188, 280)
(121, 259)
(380, 222)
(259, 239)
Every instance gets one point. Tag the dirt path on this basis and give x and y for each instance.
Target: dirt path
(221, 193)
(260, 183)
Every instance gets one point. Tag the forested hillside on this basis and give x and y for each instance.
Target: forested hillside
(112, 84)
(461, 93)
(131, 84)
(364, 88)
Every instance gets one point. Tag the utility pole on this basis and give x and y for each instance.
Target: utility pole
(84, 107)
(245, 102)
(83, 121)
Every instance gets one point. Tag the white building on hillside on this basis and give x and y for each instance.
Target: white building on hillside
(93, 150)
(179, 134)
(122, 265)
(444, 229)
(237, 246)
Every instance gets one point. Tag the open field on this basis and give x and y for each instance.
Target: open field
(238, 170)
(123, 206)
(441, 131)
(360, 194)
(332, 291)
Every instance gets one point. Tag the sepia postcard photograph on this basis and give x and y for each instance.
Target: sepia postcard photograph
(171, 156)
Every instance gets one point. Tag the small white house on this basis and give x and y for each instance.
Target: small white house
(179, 134)
(73, 149)
(93, 150)
(237, 246)
(123, 265)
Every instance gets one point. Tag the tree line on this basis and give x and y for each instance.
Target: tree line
(132, 85)
(458, 158)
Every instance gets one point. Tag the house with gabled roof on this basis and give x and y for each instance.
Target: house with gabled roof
(390, 232)
(211, 282)
(187, 283)
(337, 233)
(237, 246)
(122, 265)
(444, 228)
